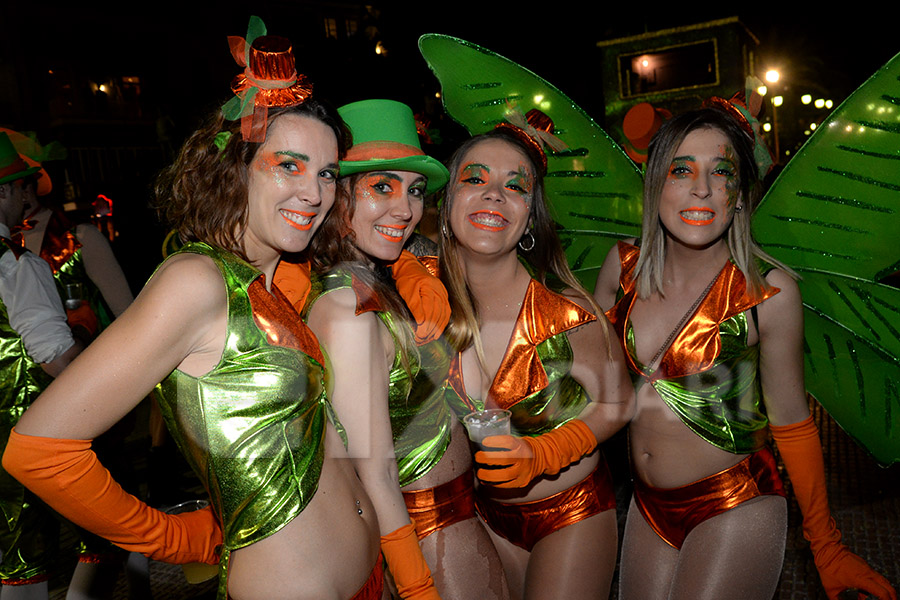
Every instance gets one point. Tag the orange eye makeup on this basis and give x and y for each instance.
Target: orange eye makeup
(474, 174)
(683, 167)
(377, 186)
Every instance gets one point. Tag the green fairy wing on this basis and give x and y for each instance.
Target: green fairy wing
(593, 188)
(833, 215)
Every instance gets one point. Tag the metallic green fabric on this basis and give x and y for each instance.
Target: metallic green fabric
(560, 401)
(23, 380)
(420, 421)
(253, 428)
(722, 404)
(73, 271)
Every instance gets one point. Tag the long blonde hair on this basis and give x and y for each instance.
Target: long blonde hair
(744, 250)
(546, 259)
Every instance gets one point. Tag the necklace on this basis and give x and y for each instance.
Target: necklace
(681, 323)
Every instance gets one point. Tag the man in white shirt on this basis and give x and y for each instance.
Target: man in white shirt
(36, 344)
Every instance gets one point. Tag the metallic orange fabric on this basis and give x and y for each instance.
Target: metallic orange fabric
(431, 263)
(381, 150)
(366, 300)
(293, 280)
(29, 581)
(527, 523)
(674, 512)
(372, 589)
(435, 508)
(543, 315)
(274, 314)
(695, 349)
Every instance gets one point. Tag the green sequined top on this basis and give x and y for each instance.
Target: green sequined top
(420, 421)
(534, 380)
(253, 428)
(709, 376)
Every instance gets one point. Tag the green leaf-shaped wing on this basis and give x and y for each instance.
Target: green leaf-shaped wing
(833, 215)
(593, 188)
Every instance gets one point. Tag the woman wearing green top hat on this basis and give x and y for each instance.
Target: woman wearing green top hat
(388, 365)
(240, 378)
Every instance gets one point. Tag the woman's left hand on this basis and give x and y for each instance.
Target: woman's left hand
(839, 569)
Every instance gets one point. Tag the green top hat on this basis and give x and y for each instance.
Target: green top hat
(385, 139)
(12, 166)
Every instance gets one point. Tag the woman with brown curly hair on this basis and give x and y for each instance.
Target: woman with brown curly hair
(240, 378)
(531, 340)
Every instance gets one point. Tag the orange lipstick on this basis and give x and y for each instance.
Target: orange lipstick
(477, 219)
(297, 219)
(696, 215)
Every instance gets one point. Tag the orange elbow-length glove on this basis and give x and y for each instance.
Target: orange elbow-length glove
(839, 569)
(407, 565)
(424, 294)
(518, 460)
(67, 475)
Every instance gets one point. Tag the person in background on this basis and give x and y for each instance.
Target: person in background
(93, 290)
(36, 346)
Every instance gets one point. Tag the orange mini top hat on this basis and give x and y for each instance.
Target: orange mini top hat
(269, 79)
(641, 123)
(12, 166)
(534, 128)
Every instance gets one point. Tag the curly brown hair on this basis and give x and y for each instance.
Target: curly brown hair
(203, 195)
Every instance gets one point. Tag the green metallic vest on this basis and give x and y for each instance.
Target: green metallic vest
(420, 421)
(23, 381)
(253, 428)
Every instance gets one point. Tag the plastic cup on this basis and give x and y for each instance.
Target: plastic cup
(195, 572)
(485, 423)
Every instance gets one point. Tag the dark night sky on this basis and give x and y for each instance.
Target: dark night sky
(179, 49)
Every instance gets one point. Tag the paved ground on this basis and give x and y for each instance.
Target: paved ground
(865, 501)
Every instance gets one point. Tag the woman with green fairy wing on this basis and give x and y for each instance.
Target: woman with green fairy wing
(849, 317)
(729, 372)
(528, 338)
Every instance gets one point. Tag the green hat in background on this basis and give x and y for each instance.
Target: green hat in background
(12, 166)
(385, 139)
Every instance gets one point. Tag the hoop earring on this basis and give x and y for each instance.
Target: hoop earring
(531, 246)
(445, 230)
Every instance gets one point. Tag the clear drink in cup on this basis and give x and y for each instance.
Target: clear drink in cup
(195, 572)
(485, 423)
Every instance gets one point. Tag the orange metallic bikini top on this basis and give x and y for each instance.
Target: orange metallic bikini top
(697, 346)
(533, 380)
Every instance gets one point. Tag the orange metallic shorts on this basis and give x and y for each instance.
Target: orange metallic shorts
(435, 508)
(371, 589)
(526, 523)
(674, 512)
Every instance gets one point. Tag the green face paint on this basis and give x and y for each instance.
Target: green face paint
(727, 168)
